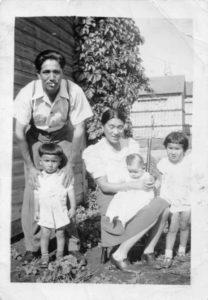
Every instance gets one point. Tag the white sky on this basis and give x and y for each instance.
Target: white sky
(168, 46)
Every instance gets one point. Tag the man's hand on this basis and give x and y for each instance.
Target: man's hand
(37, 216)
(33, 177)
(71, 213)
(68, 174)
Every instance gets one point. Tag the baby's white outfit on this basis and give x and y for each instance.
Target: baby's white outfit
(176, 183)
(52, 197)
(126, 204)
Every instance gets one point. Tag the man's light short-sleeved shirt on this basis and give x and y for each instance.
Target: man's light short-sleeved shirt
(33, 103)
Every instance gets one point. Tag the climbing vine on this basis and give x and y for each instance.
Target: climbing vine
(108, 65)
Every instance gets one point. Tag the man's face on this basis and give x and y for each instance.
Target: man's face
(51, 75)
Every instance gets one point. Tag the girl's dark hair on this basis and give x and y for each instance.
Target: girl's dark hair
(112, 113)
(53, 149)
(177, 137)
(135, 156)
(49, 54)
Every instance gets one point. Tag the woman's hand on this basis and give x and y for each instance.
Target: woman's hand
(146, 184)
(68, 174)
(33, 177)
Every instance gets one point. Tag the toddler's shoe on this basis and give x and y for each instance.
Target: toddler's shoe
(44, 261)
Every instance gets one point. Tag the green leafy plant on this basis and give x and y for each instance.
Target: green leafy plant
(66, 269)
(108, 66)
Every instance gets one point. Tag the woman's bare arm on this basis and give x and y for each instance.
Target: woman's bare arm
(112, 188)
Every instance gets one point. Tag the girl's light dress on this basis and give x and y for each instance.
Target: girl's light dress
(52, 197)
(126, 204)
(176, 183)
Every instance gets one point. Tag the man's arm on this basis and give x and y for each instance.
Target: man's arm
(72, 199)
(75, 152)
(23, 146)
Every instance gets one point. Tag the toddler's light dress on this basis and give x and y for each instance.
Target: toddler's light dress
(176, 183)
(52, 198)
(126, 204)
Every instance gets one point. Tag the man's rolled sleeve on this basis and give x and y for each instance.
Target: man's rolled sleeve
(80, 108)
(23, 105)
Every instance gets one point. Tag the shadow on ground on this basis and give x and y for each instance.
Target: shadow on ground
(96, 272)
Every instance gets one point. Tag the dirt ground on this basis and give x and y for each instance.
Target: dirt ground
(178, 274)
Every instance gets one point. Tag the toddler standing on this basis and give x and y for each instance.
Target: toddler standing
(51, 200)
(175, 172)
(125, 204)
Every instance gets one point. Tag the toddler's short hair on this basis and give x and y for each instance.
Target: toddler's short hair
(177, 137)
(53, 149)
(134, 156)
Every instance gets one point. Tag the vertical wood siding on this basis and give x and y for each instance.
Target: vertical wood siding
(33, 35)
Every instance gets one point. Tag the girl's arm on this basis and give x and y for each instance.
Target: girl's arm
(72, 200)
(158, 181)
(112, 188)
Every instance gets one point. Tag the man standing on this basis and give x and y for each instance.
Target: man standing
(50, 109)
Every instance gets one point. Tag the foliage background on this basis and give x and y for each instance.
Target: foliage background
(108, 66)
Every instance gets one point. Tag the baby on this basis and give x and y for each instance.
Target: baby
(126, 204)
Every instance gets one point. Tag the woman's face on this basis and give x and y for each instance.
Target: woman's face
(113, 130)
(51, 74)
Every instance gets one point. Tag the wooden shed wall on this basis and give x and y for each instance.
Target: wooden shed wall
(33, 35)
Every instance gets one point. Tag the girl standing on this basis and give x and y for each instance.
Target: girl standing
(175, 172)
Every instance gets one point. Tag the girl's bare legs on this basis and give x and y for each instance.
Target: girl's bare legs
(171, 235)
(44, 243)
(156, 232)
(184, 231)
(60, 237)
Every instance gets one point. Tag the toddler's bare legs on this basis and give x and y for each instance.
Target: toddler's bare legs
(184, 231)
(60, 237)
(44, 243)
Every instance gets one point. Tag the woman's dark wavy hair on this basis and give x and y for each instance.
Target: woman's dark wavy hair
(53, 149)
(112, 113)
(177, 137)
(49, 54)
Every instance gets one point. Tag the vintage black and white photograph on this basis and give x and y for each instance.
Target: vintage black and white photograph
(101, 176)
(104, 163)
